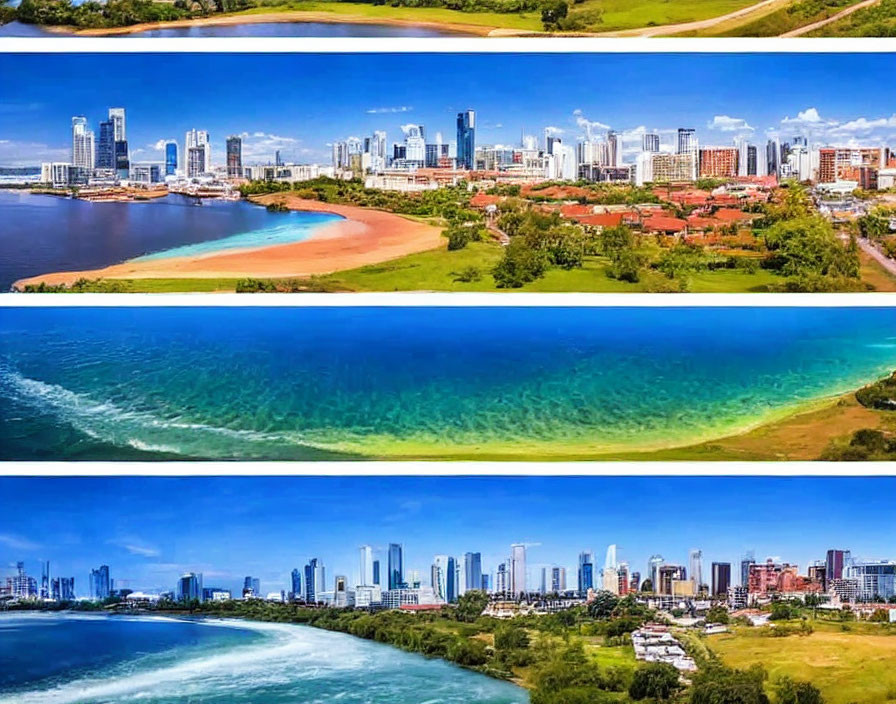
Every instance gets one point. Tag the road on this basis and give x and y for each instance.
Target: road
(799, 31)
(877, 255)
(668, 29)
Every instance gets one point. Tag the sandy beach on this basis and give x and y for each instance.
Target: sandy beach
(289, 16)
(364, 237)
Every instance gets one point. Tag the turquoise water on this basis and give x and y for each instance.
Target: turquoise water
(293, 230)
(317, 383)
(68, 659)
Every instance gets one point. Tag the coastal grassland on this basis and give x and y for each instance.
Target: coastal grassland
(348, 11)
(619, 15)
(852, 666)
(876, 21)
(774, 20)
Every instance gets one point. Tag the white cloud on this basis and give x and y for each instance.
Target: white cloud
(724, 123)
(863, 124)
(586, 124)
(135, 546)
(14, 153)
(553, 131)
(16, 542)
(809, 116)
(379, 111)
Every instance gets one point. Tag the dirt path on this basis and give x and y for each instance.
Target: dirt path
(799, 31)
(668, 29)
(877, 255)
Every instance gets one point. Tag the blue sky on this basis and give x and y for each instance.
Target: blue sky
(301, 102)
(149, 530)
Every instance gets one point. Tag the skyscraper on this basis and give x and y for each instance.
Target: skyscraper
(45, 579)
(122, 158)
(517, 568)
(439, 576)
(687, 140)
(105, 147)
(116, 117)
(376, 572)
(473, 570)
(100, 586)
(610, 561)
(650, 142)
(466, 139)
(396, 571)
(586, 571)
(365, 575)
(189, 586)
(451, 580)
(834, 563)
(653, 571)
(695, 567)
(235, 157)
(170, 158)
(83, 151)
(315, 580)
(296, 579)
(748, 559)
(558, 579)
(721, 578)
(198, 139)
(195, 161)
(252, 586)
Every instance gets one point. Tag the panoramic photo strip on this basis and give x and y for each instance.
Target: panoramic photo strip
(448, 18)
(456, 590)
(450, 383)
(325, 174)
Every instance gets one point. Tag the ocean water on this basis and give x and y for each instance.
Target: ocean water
(310, 383)
(41, 233)
(69, 659)
(257, 29)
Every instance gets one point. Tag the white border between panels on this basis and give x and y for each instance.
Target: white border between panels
(447, 45)
(417, 299)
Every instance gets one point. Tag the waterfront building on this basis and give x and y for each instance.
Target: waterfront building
(517, 568)
(586, 572)
(45, 579)
(145, 173)
(721, 578)
(252, 587)
(216, 594)
(315, 580)
(21, 585)
(105, 146)
(466, 139)
(396, 570)
(117, 118)
(368, 596)
(122, 159)
(196, 165)
(421, 596)
(235, 157)
(365, 566)
(62, 589)
(439, 576)
(100, 585)
(189, 586)
(83, 149)
(197, 140)
(296, 584)
(340, 592)
(472, 570)
(170, 158)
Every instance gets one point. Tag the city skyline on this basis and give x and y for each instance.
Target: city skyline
(302, 119)
(145, 549)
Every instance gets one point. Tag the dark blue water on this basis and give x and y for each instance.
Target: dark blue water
(109, 660)
(311, 383)
(42, 234)
(259, 29)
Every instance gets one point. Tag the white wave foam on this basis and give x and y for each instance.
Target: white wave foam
(105, 421)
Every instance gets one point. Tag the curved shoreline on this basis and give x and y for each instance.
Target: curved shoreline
(364, 237)
(297, 16)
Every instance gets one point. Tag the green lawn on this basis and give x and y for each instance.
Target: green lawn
(854, 667)
(876, 21)
(528, 21)
(622, 14)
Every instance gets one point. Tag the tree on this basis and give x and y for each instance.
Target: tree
(717, 614)
(470, 605)
(658, 681)
(789, 692)
(603, 605)
(717, 684)
(552, 11)
(510, 637)
(519, 266)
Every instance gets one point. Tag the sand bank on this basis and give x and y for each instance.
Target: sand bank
(364, 237)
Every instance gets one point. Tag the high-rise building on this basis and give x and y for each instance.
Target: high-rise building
(376, 573)
(296, 584)
(485, 585)
(558, 579)
(772, 157)
(721, 578)
(195, 161)
(235, 157)
(83, 149)
(62, 589)
(315, 580)
(122, 158)
(105, 147)
(375, 148)
(442, 568)
(252, 587)
(116, 117)
(875, 580)
(668, 574)
(396, 571)
(687, 140)
(718, 162)
(517, 568)
(189, 586)
(752, 160)
(834, 563)
(650, 142)
(747, 560)
(653, 572)
(414, 145)
(695, 567)
(635, 582)
(473, 570)
(45, 579)
(586, 571)
(170, 158)
(466, 139)
(610, 561)
(100, 585)
(365, 575)
(198, 139)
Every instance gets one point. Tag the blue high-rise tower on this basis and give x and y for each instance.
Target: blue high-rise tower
(466, 139)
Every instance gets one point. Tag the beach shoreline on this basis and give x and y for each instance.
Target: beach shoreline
(285, 17)
(363, 237)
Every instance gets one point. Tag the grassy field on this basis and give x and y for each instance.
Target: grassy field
(854, 667)
(526, 21)
(876, 21)
(774, 20)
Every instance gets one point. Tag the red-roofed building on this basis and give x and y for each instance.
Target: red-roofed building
(420, 607)
(482, 200)
(606, 219)
(574, 210)
(663, 224)
(731, 215)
